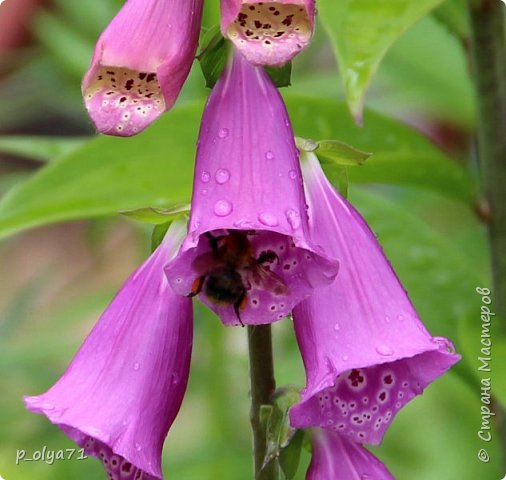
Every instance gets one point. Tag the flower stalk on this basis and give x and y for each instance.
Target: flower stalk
(488, 51)
(262, 387)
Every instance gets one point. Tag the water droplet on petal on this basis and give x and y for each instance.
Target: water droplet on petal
(293, 218)
(337, 327)
(268, 219)
(222, 208)
(204, 192)
(223, 133)
(175, 378)
(222, 176)
(138, 447)
(269, 155)
(292, 174)
(136, 366)
(205, 176)
(345, 358)
(384, 350)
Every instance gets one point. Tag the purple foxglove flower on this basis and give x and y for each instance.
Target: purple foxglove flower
(268, 33)
(246, 254)
(140, 63)
(122, 391)
(365, 351)
(337, 458)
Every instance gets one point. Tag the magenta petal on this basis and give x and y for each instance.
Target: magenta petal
(140, 63)
(124, 387)
(337, 458)
(365, 350)
(248, 178)
(268, 33)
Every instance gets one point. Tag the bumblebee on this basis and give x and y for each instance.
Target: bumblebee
(227, 271)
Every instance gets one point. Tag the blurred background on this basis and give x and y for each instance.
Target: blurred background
(56, 279)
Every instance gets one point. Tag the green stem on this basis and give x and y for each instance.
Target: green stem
(263, 385)
(488, 50)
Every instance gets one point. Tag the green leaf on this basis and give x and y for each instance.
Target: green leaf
(110, 174)
(338, 175)
(156, 216)
(40, 148)
(158, 233)
(281, 76)
(213, 55)
(289, 456)
(454, 15)
(340, 153)
(362, 32)
(401, 155)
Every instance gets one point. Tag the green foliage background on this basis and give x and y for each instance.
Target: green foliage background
(419, 199)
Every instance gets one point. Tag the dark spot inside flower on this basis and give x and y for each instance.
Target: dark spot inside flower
(126, 467)
(267, 42)
(288, 20)
(150, 77)
(279, 34)
(272, 9)
(248, 33)
(252, 7)
(382, 396)
(258, 24)
(109, 72)
(355, 377)
(142, 76)
(100, 77)
(129, 84)
(122, 99)
(276, 13)
(388, 379)
(267, 25)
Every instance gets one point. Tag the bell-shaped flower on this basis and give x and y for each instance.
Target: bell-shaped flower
(335, 457)
(140, 63)
(266, 32)
(123, 389)
(365, 351)
(247, 253)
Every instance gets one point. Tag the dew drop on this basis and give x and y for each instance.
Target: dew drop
(337, 327)
(345, 358)
(292, 174)
(268, 219)
(175, 378)
(293, 218)
(136, 366)
(222, 176)
(223, 133)
(222, 208)
(138, 447)
(384, 350)
(205, 177)
(269, 155)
